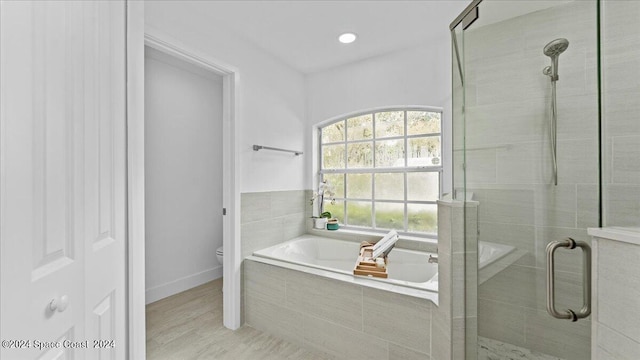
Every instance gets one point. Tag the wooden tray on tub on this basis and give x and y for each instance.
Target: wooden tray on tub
(366, 266)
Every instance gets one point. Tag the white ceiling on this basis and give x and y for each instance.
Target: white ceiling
(304, 33)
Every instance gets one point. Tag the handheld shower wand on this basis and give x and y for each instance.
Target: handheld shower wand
(553, 50)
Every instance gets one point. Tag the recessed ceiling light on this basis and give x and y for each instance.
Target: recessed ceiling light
(347, 38)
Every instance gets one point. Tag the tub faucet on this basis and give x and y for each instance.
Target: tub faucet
(433, 259)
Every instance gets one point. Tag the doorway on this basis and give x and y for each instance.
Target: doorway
(183, 175)
(230, 194)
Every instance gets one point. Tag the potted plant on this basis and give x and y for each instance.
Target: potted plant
(324, 189)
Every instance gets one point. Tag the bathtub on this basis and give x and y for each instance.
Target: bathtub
(410, 272)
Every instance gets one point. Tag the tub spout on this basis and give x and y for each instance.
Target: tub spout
(433, 259)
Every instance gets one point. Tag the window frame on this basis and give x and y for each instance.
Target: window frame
(405, 170)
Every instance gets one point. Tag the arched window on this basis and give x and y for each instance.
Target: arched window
(385, 169)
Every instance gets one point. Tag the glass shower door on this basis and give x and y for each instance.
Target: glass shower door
(526, 148)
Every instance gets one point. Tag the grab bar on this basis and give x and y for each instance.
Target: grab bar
(569, 314)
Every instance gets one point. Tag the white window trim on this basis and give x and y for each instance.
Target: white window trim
(318, 171)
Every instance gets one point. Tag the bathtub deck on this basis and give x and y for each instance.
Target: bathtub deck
(188, 325)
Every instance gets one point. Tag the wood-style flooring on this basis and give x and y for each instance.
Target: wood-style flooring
(188, 326)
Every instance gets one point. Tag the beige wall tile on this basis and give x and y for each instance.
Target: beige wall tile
(274, 319)
(622, 205)
(260, 234)
(255, 206)
(619, 287)
(264, 282)
(561, 338)
(287, 202)
(613, 345)
(511, 206)
(406, 322)
(565, 260)
(332, 300)
(626, 159)
(397, 352)
(342, 342)
(501, 321)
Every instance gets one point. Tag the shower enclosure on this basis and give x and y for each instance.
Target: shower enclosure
(546, 143)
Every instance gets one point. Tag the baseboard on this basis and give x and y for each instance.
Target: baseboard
(173, 287)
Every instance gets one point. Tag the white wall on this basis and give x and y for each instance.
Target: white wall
(271, 95)
(183, 172)
(417, 76)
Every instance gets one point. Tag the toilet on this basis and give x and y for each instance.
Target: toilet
(219, 254)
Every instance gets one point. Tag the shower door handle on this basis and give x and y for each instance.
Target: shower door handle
(569, 314)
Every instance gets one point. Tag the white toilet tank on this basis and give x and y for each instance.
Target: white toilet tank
(219, 254)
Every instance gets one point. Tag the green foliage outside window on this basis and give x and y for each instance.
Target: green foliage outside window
(385, 169)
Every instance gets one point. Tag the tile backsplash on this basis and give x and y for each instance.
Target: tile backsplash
(269, 218)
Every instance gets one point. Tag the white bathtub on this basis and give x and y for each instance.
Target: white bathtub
(409, 271)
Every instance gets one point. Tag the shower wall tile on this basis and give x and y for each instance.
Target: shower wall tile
(566, 260)
(505, 123)
(501, 321)
(569, 21)
(622, 70)
(399, 352)
(577, 117)
(618, 288)
(622, 205)
(510, 206)
(564, 339)
(578, 161)
(555, 205)
(622, 110)
(509, 114)
(626, 159)
(481, 165)
(522, 237)
(515, 285)
(588, 209)
(525, 287)
(524, 163)
(610, 344)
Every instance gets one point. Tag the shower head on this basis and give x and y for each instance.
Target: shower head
(556, 47)
(553, 50)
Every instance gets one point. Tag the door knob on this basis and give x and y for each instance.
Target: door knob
(59, 304)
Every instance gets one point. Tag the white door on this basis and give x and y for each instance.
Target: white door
(62, 190)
